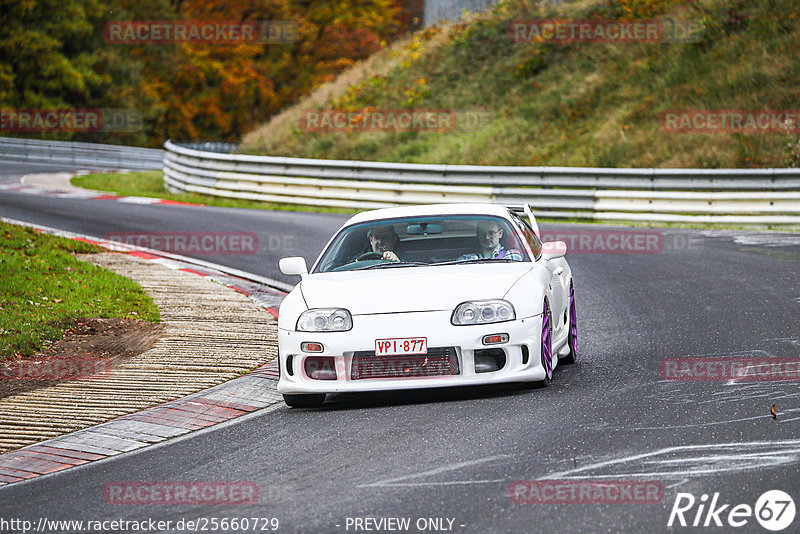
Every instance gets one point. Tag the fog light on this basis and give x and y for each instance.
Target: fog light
(311, 347)
(489, 360)
(494, 339)
(320, 368)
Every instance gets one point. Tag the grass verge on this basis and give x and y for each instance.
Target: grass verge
(44, 286)
(151, 184)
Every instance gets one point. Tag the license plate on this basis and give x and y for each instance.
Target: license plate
(401, 346)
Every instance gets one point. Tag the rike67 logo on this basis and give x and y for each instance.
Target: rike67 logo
(774, 510)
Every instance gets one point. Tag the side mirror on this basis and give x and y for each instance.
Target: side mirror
(553, 249)
(294, 265)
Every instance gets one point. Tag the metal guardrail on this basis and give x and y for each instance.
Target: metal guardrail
(89, 155)
(210, 146)
(699, 196)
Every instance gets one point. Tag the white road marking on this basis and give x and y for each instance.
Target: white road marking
(671, 427)
(680, 483)
(767, 240)
(417, 484)
(138, 200)
(444, 469)
(732, 457)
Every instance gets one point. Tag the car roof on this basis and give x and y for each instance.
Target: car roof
(429, 209)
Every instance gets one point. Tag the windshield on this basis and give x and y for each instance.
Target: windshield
(421, 241)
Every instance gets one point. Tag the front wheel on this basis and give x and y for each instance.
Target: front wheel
(310, 400)
(546, 349)
(572, 336)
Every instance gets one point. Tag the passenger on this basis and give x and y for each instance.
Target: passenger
(488, 236)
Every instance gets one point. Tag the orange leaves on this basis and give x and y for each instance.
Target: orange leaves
(188, 90)
(214, 91)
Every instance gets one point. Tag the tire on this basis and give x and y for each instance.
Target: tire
(546, 350)
(572, 336)
(310, 400)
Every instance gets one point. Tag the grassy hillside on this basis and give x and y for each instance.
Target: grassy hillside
(579, 104)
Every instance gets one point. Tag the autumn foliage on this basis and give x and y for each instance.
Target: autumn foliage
(54, 54)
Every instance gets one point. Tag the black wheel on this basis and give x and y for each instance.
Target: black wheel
(310, 400)
(370, 256)
(546, 349)
(572, 337)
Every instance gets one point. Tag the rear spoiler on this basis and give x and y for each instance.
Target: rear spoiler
(526, 209)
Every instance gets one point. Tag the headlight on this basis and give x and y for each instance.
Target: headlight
(483, 312)
(325, 320)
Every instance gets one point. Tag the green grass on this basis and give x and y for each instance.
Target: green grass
(44, 287)
(576, 104)
(151, 184)
(147, 183)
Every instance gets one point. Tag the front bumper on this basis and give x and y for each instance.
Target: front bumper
(433, 325)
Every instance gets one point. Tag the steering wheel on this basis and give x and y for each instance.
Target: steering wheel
(370, 256)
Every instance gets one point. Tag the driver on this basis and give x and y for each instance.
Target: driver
(384, 239)
(488, 236)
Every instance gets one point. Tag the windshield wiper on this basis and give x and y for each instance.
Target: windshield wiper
(474, 260)
(391, 264)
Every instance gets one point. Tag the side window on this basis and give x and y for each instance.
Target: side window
(530, 237)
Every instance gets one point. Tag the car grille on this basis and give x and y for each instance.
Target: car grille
(440, 361)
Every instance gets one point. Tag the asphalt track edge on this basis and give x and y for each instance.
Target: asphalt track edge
(152, 447)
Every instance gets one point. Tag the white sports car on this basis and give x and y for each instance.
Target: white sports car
(427, 296)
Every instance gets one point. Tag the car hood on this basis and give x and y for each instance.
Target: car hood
(407, 289)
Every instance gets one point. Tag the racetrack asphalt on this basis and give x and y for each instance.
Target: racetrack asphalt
(279, 233)
(454, 454)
